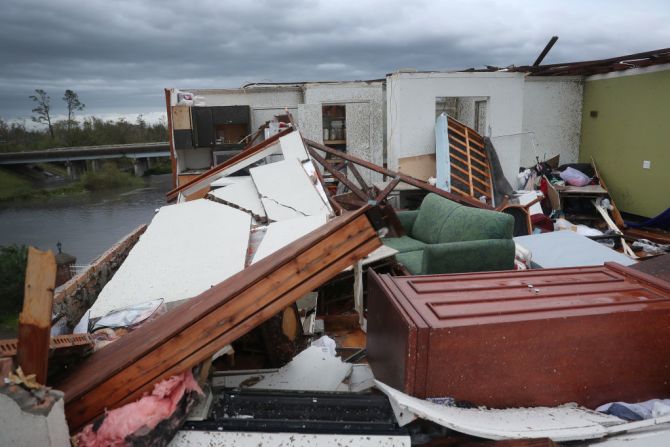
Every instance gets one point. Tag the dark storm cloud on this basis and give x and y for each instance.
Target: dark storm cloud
(120, 54)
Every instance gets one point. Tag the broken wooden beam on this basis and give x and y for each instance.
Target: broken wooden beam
(194, 331)
(338, 175)
(462, 199)
(35, 319)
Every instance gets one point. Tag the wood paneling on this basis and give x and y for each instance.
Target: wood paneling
(194, 331)
(546, 337)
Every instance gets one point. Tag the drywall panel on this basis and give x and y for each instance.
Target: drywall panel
(410, 107)
(630, 126)
(292, 146)
(280, 234)
(243, 194)
(187, 248)
(552, 116)
(311, 370)
(287, 191)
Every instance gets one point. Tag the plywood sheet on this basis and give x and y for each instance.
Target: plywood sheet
(421, 166)
(181, 118)
(287, 191)
(186, 249)
(241, 193)
(280, 234)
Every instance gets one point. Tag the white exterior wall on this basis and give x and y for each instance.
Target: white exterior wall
(364, 121)
(552, 116)
(410, 109)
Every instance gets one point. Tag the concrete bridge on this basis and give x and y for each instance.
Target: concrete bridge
(75, 157)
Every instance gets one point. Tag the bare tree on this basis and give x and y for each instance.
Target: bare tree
(72, 101)
(43, 109)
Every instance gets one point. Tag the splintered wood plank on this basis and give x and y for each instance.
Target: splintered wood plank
(196, 330)
(35, 319)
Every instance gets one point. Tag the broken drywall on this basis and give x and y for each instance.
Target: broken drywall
(280, 234)
(186, 249)
(286, 191)
(243, 194)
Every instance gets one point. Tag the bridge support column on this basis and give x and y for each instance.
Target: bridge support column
(140, 166)
(149, 162)
(95, 165)
(75, 169)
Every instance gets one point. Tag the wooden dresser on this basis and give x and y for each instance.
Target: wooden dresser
(545, 337)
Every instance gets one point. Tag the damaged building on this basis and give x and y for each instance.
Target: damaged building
(392, 262)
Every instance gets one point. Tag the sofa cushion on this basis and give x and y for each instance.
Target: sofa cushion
(412, 260)
(403, 243)
(473, 224)
(433, 213)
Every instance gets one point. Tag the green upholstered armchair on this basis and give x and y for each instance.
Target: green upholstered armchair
(445, 237)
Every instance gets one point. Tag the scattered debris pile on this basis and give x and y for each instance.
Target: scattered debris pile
(277, 301)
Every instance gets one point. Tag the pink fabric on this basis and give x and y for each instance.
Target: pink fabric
(148, 411)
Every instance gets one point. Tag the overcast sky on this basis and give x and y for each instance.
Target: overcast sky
(119, 55)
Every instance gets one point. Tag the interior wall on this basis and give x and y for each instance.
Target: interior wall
(552, 115)
(631, 126)
(410, 109)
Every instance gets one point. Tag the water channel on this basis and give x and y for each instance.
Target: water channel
(86, 224)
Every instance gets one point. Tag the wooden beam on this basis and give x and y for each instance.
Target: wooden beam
(194, 331)
(338, 208)
(338, 175)
(359, 178)
(465, 200)
(35, 319)
(173, 156)
(386, 191)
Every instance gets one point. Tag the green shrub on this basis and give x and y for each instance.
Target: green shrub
(108, 177)
(13, 259)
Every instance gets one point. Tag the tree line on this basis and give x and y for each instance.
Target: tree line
(90, 131)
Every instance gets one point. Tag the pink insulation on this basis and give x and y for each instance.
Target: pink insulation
(146, 412)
